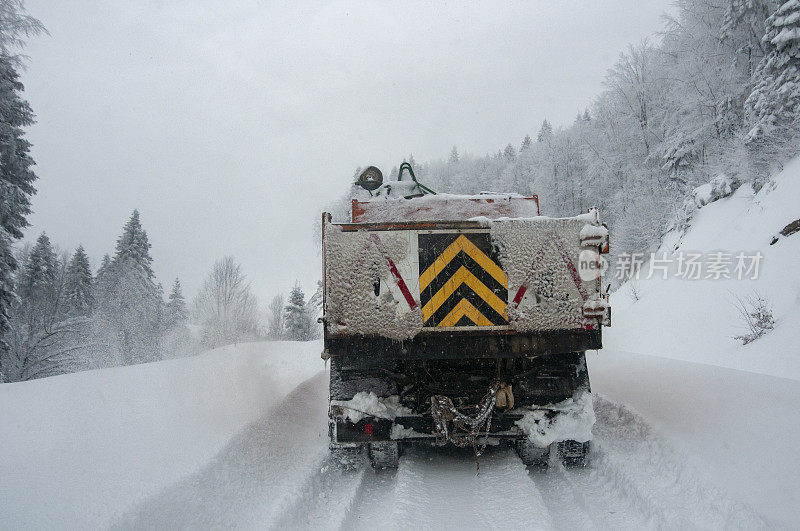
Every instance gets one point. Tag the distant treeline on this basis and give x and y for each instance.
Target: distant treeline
(720, 93)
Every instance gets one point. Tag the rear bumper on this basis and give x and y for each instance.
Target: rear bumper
(411, 429)
(481, 345)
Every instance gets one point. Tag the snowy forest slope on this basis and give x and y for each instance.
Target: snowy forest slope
(717, 93)
(697, 319)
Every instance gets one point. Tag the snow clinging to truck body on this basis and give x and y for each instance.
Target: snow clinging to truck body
(539, 256)
(570, 419)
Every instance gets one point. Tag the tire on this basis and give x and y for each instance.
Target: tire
(531, 454)
(573, 453)
(346, 457)
(384, 454)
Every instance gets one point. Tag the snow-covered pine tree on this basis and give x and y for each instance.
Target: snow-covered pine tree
(101, 289)
(176, 306)
(37, 286)
(315, 302)
(78, 285)
(299, 326)
(315, 309)
(105, 264)
(131, 301)
(43, 340)
(774, 104)
(177, 340)
(454, 157)
(526, 143)
(16, 176)
(545, 132)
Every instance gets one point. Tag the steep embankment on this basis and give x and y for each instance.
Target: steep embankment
(697, 320)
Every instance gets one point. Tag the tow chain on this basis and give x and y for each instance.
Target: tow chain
(464, 430)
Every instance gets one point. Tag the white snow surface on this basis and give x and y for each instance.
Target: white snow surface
(717, 188)
(736, 432)
(184, 454)
(593, 234)
(78, 450)
(696, 320)
(573, 421)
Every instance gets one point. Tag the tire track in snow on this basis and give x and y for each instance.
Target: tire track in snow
(510, 499)
(253, 479)
(640, 466)
(326, 500)
(428, 491)
(438, 488)
(577, 499)
(275, 473)
(561, 500)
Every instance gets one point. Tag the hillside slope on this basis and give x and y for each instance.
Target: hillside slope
(696, 320)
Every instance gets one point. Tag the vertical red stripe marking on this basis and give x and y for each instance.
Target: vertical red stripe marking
(567, 261)
(395, 273)
(520, 293)
(576, 278)
(524, 287)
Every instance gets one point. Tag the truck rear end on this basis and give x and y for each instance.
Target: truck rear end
(461, 320)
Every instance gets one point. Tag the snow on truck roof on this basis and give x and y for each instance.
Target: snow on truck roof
(445, 207)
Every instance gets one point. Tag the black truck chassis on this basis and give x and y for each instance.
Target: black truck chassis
(541, 368)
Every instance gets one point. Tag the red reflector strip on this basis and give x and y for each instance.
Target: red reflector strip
(395, 273)
(576, 279)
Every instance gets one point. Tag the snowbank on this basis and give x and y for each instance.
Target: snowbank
(697, 320)
(77, 450)
(738, 429)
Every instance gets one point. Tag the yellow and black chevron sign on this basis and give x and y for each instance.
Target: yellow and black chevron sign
(461, 283)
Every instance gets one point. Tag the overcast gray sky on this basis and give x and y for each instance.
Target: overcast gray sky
(230, 125)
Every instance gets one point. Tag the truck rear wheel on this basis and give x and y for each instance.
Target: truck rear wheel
(384, 454)
(531, 454)
(346, 457)
(570, 453)
(573, 453)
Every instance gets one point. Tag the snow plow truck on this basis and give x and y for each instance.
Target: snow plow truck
(454, 319)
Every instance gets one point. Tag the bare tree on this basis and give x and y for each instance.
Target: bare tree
(756, 313)
(225, 308)
(43, 339)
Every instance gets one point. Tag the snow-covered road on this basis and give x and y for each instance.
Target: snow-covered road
(275, 474)
(238, 438)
